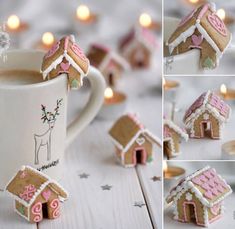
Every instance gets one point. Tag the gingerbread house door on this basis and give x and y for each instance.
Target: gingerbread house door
(206, 129)
(190, 214)
(139, 155)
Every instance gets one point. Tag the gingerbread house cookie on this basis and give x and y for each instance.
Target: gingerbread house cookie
(138, 46)
(202, 29)
(133, 142)
(172, 138)
(36, 195)
(108, 62)
(206, 116)
(66, 57)
(199, 197)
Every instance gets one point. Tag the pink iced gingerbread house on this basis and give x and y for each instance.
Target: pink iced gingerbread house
(206, 116)
(66, 57)
(203, 30)
(36, 195)
(199, 197)
(138, 46)
(108, 62)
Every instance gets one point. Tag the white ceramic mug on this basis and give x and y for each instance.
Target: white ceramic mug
(24, 138)
(185, 63)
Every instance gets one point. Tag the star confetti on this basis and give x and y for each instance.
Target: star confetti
(139, 204)
(106, 187)
(156, 178)
(84, 175)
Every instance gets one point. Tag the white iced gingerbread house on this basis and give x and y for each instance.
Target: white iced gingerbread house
(202, 29)
(199, 197)
(206, 116)
(172, 138)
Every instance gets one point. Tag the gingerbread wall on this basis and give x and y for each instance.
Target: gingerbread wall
(215, 131)
(186, 216)
(147, 146)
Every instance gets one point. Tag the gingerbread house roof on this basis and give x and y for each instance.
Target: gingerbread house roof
(66, 48)
(28, 183)
(210, 102)
(210, 26)
(100, 56)
(170, 124)
(138, 35)
(207, 185)
(127, 129)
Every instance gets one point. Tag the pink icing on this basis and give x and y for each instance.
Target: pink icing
(167, 132)
(76, 49)
(211, 183)
(66, 43)
(64, 66)
(23, 175)
(53, 49)
(55, 205)
(197, 40)
(220, 105)
(215, 209)
(187, 18)
(134, 118)
(37, 212)
(218, 24)
(203, 11)
(46, 194)
(28, 192)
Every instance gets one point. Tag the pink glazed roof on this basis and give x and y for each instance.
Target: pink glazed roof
(212, 99)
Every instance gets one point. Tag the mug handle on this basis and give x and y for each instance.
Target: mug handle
(92, 107)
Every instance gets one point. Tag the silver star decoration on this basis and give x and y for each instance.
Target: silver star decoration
(156, 178)
(139, 204)
(106, 187)
(84, 175)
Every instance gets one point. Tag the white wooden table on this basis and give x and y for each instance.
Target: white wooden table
(89, 206)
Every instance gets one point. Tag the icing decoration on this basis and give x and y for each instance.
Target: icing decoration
(215, 209)
(76, 49)
(140, 141)
(74, 83)
(206, 116)
(187, 18)
(150, 158)
(196, 40)
(23, 174)
(66, 43)
(53, 50)
(189, 196)
(65, 66)
(37, 212)
(203, 11)
(28, 192)
(218, 24)
(55, 205)
(46, 194)
(21, 209)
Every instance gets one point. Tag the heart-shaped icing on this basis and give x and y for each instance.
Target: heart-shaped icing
(65, 66)
(140, 141)
(46, 194)
(197, 40)
(218, 24)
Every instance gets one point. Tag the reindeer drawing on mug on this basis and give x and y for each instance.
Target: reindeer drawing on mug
(45, 138)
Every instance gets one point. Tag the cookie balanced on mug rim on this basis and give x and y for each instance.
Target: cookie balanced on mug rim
(65, 56)
(202, 29)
